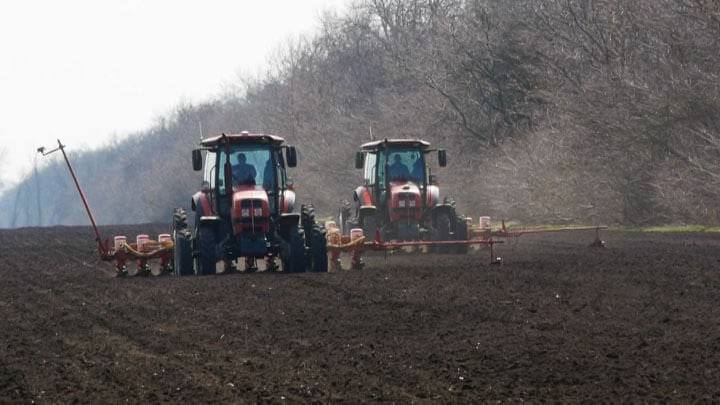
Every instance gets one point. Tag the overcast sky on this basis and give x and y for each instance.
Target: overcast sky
(87, 70)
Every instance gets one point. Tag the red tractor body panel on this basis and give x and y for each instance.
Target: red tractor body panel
(287, 202)
(433, 195)
(202, 203)
(250, 210)
(405, 201)
(364, 196)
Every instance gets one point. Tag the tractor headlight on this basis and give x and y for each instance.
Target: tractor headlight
(411, 203)
(401, 203)
(257, 212)
(245, 212)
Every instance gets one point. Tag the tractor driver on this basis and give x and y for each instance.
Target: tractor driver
(243, 173)
(398, 170)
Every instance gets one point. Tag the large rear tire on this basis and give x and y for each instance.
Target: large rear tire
(369, 227)
(182, 256)
(206, 259)
(182, 252)
(441, 231)
(293, 258)
(315, 241)
(318, 250)
(307, 220)
(461, 234)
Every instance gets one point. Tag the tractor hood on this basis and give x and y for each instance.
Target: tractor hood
(250, 210)
(408, 187)
(249, 192)
(405, 201)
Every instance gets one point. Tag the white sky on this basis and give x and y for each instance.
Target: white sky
(87, 70)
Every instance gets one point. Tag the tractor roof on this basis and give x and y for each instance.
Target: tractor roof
(243, 137)
(385, 143)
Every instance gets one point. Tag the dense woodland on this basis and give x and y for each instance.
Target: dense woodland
(595, 111)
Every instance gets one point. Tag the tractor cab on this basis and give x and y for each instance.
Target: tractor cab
(395, 165)
(399, 197)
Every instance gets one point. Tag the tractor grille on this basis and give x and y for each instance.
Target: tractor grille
(407, 204)
(251, 216)
(251, 209)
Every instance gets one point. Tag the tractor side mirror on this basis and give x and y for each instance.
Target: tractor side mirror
(359, 160)
(442, 157)
(197, 159)
(291, 156)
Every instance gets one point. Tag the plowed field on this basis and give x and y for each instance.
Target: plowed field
(638, 320)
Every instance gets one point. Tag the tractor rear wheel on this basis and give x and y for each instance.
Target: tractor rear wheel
(315, 241)
(206, 260)
(182, 255)
(318, 250)
(182, 252)
(293, 258)
(441, 231)
(461, 234)
(307, 218)
(369, 227)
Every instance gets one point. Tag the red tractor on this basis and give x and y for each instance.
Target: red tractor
(245, 209)
(400, 198)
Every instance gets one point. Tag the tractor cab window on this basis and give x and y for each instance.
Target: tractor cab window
(370, 164)
(210, 169)
(404, 164)
(252, 165)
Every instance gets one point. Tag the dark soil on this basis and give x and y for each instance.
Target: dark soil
(639, 320)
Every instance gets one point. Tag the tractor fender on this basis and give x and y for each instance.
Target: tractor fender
(362, 196)
(367, 210)
(289, 220)
(286, 223)
(288, 202)
(201, 204)
(437, 209)
(433, 195)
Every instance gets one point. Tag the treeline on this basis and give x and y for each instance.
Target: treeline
(551, 111)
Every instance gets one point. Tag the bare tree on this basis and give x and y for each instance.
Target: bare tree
(603, 110)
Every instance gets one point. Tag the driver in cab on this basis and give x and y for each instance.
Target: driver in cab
(243, 172)
(398, 170)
